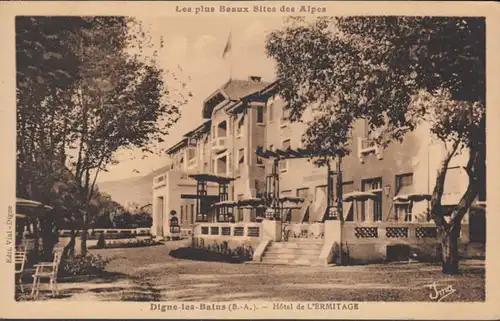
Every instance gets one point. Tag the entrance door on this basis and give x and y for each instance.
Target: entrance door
(160, 205)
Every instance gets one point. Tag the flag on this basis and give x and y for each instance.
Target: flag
(228, 46)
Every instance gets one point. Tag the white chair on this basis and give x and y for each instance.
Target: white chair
(46, 270)
(20, 260)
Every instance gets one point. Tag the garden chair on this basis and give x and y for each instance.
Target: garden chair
(46, 270)
(20, 260)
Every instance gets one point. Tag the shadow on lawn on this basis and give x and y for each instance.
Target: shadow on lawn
(195, 254)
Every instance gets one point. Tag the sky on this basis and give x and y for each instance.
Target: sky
(192, 50)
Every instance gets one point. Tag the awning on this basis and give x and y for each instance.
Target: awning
(30, 203)
(291, 207)
(225, 203)
(250, 201)
(414, 197)
(358, 196)
(293, 199)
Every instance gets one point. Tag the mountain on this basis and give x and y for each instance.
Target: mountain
(132, 190)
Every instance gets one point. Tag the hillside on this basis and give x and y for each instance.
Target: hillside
(132, 190)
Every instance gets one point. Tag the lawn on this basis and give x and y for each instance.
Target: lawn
(150, 273)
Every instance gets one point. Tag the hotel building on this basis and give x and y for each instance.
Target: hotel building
(245, 115)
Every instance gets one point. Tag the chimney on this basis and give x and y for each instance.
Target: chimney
(254, 78)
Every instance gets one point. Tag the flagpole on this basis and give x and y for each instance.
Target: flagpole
(227, 51)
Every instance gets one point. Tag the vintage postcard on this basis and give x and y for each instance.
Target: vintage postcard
(252, 160)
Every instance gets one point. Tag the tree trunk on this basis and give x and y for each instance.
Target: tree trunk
(69, 250)
(449, 249)
(84, 241)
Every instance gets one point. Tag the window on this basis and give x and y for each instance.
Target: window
(182, 213)
(303, 193)
(260, 114)
(270, 111)
(191, 156)
(239, 128)
(285, 114)
(239, 213)
(283, 164)
(403, 181)
(286, 144)
(403, 212)
(192, 213)
(241, 161)
(372, 207)
(260, 161)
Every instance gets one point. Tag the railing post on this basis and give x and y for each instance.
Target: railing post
(381, 231)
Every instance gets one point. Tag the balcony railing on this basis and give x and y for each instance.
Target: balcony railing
(219, 143)
(228, 230)
(160, 180)
(367, 143)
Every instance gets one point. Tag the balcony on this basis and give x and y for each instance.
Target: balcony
(367, 146)
(192, 162)
(160, 181)
(219, 144)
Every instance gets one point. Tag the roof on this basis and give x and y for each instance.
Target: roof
(237, 89)
(177, 146)
(233, 90)
(205, 127)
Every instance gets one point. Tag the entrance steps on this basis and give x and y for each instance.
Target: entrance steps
(300, 252)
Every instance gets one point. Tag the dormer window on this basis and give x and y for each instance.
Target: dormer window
(254, 78)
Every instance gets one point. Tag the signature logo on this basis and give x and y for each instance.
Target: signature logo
(440, 294)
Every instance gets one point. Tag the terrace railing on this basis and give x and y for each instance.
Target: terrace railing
(228, 231)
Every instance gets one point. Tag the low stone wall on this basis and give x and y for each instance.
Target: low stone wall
(383, 241)
(232, 239)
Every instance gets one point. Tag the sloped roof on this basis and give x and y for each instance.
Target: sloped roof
(237, 89)
(234, 89)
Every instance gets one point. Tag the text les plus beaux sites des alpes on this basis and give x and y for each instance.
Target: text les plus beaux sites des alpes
(256, 9)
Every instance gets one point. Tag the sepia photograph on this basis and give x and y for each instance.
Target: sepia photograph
(208, 159)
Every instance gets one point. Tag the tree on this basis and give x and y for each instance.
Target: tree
(113, 98)
(395, 73)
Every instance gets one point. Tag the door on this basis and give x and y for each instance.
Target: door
(159, 216)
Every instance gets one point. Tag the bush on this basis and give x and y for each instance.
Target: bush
(100, 242)
(83, 265)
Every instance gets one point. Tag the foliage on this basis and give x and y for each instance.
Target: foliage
(372, 68)
(83, 265)
(85, 89)
(395, 73)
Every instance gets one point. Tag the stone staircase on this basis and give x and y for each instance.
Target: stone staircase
(295, 252)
